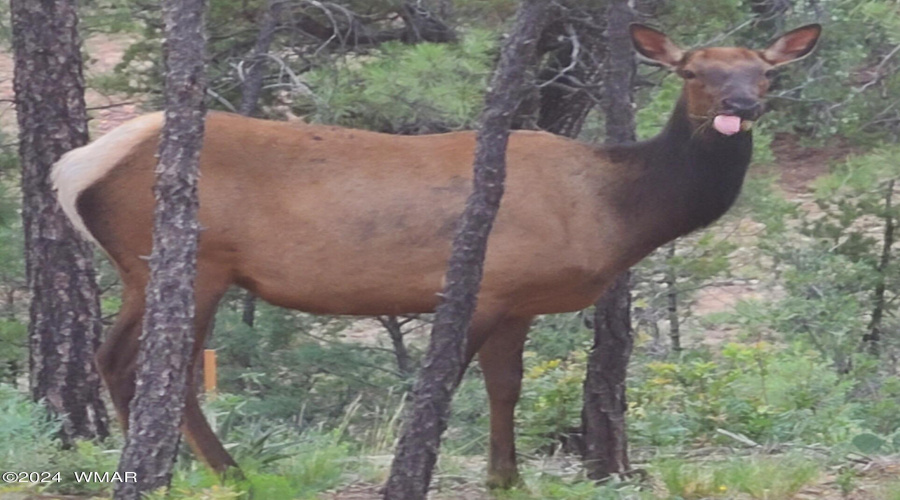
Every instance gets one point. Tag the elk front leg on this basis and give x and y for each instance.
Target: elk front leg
(501, 362)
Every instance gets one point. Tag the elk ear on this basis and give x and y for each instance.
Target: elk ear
(655, 45)
(793, 45)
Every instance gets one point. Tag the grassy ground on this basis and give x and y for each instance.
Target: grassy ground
(735, 474)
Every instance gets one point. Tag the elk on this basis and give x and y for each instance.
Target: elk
(338, 221)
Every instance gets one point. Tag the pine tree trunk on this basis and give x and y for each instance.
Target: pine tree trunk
(603, 415)
(250, 94)
(248, 308)
(563, 108)
(672, 299)
(64, 327)
(872, 338)
(168, 336)
(417, 450)
(256, 72)
(395, 330)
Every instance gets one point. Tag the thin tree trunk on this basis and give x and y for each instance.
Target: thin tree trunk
(603, 414)
(562, 109)
(64, 327)
(872, 339)
(401, 353)
(672, 299)
(253, 80)
(417, 450)
(250, 94)
(248, 308)
(168, 332)
(618, 78)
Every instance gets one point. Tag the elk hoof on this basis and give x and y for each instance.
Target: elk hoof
(232, 473)
(504, 480)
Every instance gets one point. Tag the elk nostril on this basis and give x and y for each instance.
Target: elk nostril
(744, 107)
(740, 104)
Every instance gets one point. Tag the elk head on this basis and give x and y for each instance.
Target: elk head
(725, 86)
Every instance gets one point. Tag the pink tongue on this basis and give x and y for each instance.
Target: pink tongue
(727, 124)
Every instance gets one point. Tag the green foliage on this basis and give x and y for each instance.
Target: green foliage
(869, 443)
(831, 275)
(13, 331)
(108, 16)
(13, 349)
(755, 477)
(881, 413)
(491, 12)
(550, 408)
(311, 462)
(405, 89)
(296, 368)
(27, 435)
(544, 486)
(467, 431)
(890, 491)
(5, 25)
(28, 443)
(754, 390)
(654, 114)
(85, 457)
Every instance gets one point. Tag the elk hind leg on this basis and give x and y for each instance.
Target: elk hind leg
(116, 359)
(196, 429)
(117, 363)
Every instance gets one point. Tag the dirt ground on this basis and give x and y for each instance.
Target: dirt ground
(868, 484)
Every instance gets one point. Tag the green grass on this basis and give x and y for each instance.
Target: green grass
(538, 486)
(890, 491)
(756, 477)
(281, 462)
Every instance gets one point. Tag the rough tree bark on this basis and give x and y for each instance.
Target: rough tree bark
(672, 299)
(168, 336)
(417, 450)
(394, 327)
(256, 72)
(603, 415)
(569, 92)
(248, 308)
(250, 94)
(872, 338)
(64, 327)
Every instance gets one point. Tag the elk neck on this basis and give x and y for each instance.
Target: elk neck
(681, 180)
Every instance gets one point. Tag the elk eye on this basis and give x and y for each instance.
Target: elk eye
(688, 74)
(770, 73)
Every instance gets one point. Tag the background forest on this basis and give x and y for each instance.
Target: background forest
(767, 346)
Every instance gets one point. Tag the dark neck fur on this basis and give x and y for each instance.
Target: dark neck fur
(683, 179)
